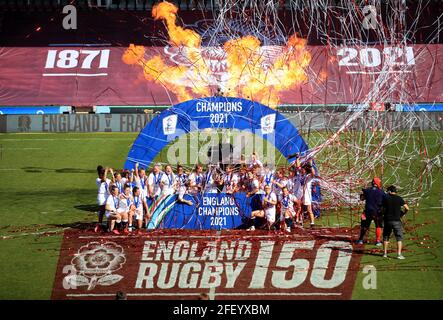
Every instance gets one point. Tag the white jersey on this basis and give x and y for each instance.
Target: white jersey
(112, 203)
(278, 191)
(103, 190)
(230, 181)
(307, 190)
(210, 185)
(267, 179)
(270, 208)
(181, 179)
(124, 203)
(120, 185)
(154, 181)
(168, 184)
(197, 180)
(142, 185)
(287, 203)
(138, 204)
(297, 186)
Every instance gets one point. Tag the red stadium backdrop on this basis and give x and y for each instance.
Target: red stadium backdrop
(98, 76)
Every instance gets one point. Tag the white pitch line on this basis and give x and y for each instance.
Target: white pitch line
(9, 236)
(22, 148)
(216, 294)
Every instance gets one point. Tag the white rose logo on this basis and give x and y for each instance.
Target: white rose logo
(94, 264)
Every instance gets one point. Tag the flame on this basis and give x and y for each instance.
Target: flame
(245, 60)
(322, 76)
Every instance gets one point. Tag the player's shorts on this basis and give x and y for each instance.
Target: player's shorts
(101, 199)
(122, 210)
(395, 226)
(110, 215)
(283, 213)
(139, 214)
(307, 199)
(298, 194)
(270, 215)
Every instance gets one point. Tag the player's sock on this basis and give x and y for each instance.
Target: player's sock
(378, 234)
(288, 222)
(362, 233)
(124, 223)
(118, 225)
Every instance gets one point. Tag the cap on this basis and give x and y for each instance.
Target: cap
(377, 182)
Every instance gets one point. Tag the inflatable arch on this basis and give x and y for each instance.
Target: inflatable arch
(198, 115)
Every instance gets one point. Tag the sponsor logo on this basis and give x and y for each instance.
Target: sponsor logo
(169, 124)
(268, 123)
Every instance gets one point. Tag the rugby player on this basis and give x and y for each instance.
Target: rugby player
(136, 213)
(182, 182)
(309, 173)
(287, 212)
(111, 206)
(168, 181)
(269, 204)
(103, 184)
(196, 180)
(124, 208)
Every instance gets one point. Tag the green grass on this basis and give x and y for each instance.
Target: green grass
(48, 184)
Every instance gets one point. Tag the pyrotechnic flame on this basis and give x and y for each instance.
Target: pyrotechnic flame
(245, 60)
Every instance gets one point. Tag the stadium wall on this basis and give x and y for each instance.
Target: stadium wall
(304, 121)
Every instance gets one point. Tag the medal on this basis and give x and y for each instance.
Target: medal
(142, 181)
(208, 177)
(268, 179)
(285, 201)
(157, 178)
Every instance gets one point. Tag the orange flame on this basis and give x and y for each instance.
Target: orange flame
(245, 60)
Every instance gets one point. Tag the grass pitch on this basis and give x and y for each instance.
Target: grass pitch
(48, 184)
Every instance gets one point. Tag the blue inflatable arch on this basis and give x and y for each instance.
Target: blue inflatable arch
(200, 114)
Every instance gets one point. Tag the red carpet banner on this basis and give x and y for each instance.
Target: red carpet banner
(176, 264)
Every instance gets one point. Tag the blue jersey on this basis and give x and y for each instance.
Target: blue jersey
(374, 200)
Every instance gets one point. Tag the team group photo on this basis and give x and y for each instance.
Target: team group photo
(221, 150)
